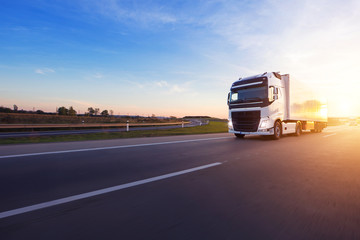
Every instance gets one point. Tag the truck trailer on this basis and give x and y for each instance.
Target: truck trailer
(271, 104)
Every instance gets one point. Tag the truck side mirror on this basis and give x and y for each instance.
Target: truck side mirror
(276, 93)
(228, 99)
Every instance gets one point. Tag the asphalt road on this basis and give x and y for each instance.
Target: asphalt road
(185, 187)
(38, 133)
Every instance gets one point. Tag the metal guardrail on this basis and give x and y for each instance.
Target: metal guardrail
(84, 125)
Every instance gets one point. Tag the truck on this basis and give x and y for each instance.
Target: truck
(270, 104)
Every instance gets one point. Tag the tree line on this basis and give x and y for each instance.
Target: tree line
(16, 110)
(61, 111)
(91, 111)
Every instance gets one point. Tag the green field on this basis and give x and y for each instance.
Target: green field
(212, 127)
(32, 118)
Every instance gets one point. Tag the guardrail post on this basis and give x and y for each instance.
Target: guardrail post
(127, 125)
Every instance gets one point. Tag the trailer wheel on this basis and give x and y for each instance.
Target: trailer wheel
(315, 130)
(321, 129)
(239, 135)
(277, 130)
(298, 130)
(318, 128)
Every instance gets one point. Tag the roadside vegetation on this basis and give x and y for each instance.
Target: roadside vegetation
(93, 115)
(69, 115)
(212, 127)
(33, 118)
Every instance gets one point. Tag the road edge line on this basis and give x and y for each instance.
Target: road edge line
(108, 148)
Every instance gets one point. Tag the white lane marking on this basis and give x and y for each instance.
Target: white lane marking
(99, 192)
(330, 135)
(113, 147)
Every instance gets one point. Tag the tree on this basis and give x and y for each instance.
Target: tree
(40, 111)
(97, 110)
(15, 108)
(105, 113)
(63, 111)
(111, 112)
(91, 111)
(72, 112)
(5, 109)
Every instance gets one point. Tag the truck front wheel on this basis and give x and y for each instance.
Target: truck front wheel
(277, 130)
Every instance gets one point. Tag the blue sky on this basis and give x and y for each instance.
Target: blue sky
(172, 57)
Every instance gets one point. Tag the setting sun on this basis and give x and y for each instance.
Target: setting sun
(345, 108)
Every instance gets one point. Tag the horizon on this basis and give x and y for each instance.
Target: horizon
(33, 111)
(173, 58)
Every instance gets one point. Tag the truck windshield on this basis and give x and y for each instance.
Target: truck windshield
(249, 95)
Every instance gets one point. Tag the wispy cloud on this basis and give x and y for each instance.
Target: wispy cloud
(171, 88)
(177, 89)
(314, 41)
(162, 84)
(136, 84)
(106, 51)
(134, 11)
(98, 76)
(44, 71)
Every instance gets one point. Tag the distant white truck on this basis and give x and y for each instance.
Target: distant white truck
(270, 104)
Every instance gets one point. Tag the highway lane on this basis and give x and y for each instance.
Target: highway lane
(296, 188)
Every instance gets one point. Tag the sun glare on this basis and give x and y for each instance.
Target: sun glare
(323, 111)
(345, 108)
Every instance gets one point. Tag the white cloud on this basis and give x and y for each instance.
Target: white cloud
(44, 71)
(316, 41)
(162, 84)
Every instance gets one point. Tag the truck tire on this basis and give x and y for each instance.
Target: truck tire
(298, 130)
(318, 128)
(315, 130)
(277, 130)
(239, 135)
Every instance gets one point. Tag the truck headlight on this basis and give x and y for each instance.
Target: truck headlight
(264, 123)
(230, 125)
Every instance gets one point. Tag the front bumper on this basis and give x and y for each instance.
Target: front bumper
(265, 127)
(268, 131)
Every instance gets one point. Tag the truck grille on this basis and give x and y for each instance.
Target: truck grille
(245, 121)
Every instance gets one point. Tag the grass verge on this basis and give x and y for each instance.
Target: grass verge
(212, 127)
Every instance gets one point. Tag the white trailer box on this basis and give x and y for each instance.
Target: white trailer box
(302, 103)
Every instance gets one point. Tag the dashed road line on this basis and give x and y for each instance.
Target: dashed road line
(100, 192)
(330, 135)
